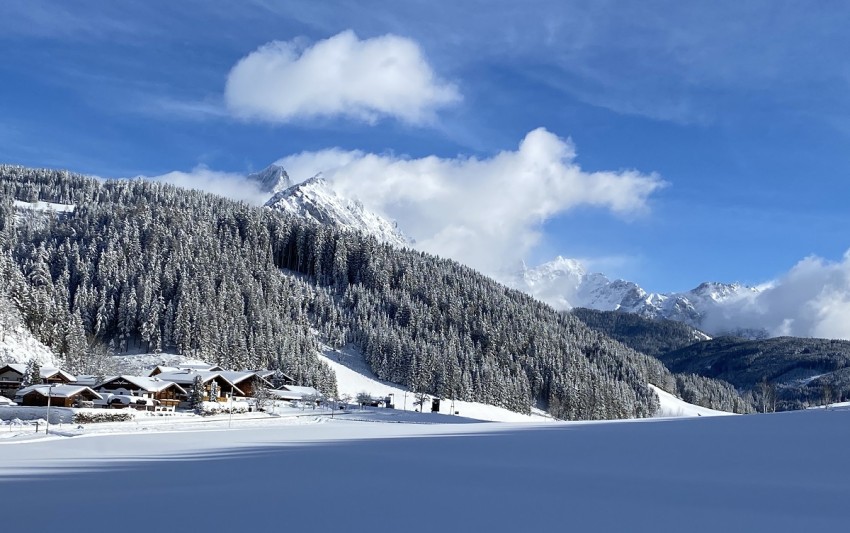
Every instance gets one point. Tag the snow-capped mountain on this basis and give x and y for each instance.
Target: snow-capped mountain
(271, 179)
(564, 284)
(315, 200)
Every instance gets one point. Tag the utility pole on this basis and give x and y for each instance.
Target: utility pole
(49, 392)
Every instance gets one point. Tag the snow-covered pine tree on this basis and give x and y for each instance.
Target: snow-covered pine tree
(32, 374)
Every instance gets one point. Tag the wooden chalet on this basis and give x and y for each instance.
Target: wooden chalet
(167, 393)
(12, 375)
(295, 393)
(247, 381)
(57, 395)
(186, 379)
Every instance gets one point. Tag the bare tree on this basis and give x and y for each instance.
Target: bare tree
(826, 394)
(421, 400)
(767, 391)
(364, 398)
(344, 399)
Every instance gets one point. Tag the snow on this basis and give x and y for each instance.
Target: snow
(672, 406)
(142, 364)
(315, 199)
(778, 472)
(564, 283)
(19, 346)
(354, 376)
(45, 206)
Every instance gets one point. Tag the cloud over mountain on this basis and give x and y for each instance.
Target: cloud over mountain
(811, 300)
(487, 213)
(229, 184)
(386, 76)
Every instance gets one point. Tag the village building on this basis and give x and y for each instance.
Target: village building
(248, 381)
(206, 367)
(61, 395)
(165, 394)
(295, 393)
(210, 380)
(12, 375)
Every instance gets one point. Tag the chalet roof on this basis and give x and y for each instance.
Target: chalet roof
(293, 392)
(239, 377)
(154, 384)
(57, 391)
(46, 372)
(301, 390)
(200, 366)
(187, 377)
(158, 369)
(88, 380)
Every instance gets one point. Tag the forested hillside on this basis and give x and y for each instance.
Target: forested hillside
(781, 373)
(151, 264)
(650, 336)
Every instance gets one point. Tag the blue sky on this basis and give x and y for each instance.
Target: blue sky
(740, 108)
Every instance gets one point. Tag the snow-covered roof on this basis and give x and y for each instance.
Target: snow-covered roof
(6, 401)
(56, 391)
(160, 369)
(45, 372)
(200, 366)
(187, 377)
(239, 377)
(149, 384)
(88, 380)
(293, 392)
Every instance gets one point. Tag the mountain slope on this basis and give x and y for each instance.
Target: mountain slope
(796, 372)
(650, 336)
(315, 200)
(149, 266)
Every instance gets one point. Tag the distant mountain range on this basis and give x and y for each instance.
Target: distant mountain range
(565, 284)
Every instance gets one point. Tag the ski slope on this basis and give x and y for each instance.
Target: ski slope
(354, 376)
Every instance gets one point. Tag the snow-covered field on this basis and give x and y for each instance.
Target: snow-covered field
(782, 472)
(378, 469)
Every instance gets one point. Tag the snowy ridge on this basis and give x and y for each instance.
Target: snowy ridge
(315, 200)
(564, 284)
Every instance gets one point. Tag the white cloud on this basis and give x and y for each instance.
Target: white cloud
(228, 184)
(486, 213)
(811, 300)
(340, 76)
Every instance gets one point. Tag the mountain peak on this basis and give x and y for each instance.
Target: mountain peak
(271, 179)
(315, 199)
